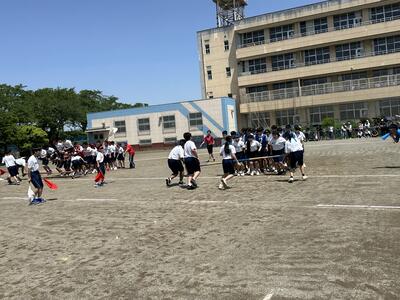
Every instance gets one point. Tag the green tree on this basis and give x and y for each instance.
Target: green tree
(28, 136)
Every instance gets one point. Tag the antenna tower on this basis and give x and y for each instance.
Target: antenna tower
(229, 11)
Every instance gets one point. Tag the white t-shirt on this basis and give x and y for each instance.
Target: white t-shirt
(76, 157)
(278, 144)
(87, 152)
(254, 146)
(188, 150)
(21, 162)
(300, 136)
(107, 150)
(293, 145)
(43, 153)
(239, 145)
(68, 144)
(225, 155)
(121, 150)
(9, 160)
(33, 164)
(60, 146)
(51, 151)
(94, 151)
(112, 148)
(176, 153)
(100, 157)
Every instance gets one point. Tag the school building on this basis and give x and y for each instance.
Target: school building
(162, 125)
(337, 59)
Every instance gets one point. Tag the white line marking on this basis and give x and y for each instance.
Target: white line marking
(356, 206)
(269, 296)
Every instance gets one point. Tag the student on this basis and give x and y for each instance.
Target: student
(21, 164)
(120, 156)
(277, 145)
(253, 148)
(192, 162)
(113, 156)
(101, 168)
(11, 165)
(175, 158)
(209, 141)
(295, 149)
(34, 177)
(77, 163)
(229, 160)
(240, 154)
(45, 161)
(131, 152)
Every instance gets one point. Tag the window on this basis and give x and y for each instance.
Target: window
(281, 33)
(256, 89)
(146, 142)
(261, 119)
(210, 95)
(347, 20)
(318, 114)
(321, 25)
(209, 73)
(353, 111)
(121, 127)
(385, 13)
(287, 117)
(170, 140)
(386, 45)
(258, 65)
(303, 28)
(254, 37)
(390, 108)
(354, 76)
(314, 81)
(168, 123)
(207, 47)
(144, 126)
(195, 120)
(381, 72)
(283, 85)
(283, 61)
(349, 51)
(228, 71)
(317, 56)
(226, 45)
(284, 90)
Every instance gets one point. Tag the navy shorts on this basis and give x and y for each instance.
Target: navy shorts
(228, 165)
(102, 168)
(13, 171)
(278, 152)
(36, 180)
(296, 159)
(175, 166)
(240, 155)
(192, 165)
(121, 157)
(210, 149)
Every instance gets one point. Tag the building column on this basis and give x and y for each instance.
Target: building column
(373, 109)
(272, 118)
(336, 112)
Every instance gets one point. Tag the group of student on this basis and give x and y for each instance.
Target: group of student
(250, 152)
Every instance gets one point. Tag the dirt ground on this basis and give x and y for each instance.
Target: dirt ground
(263, 239)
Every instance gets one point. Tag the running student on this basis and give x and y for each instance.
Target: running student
(209, 141)
(229, 160)
(101, 168)
(34, 177)
(295, 149)
(11, 165)
(175, 158)
(192, 162)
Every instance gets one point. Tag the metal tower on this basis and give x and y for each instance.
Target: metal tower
(229, 11)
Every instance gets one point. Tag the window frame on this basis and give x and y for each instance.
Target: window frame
(171, 128)
(143, 131)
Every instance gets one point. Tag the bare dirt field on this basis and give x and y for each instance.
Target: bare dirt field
(263, 239)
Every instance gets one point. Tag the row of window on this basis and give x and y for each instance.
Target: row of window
(320, 25)
(322, 80)
(207, 48)
(350, 111)
(322, 55)
(228, 72)
(168, 124)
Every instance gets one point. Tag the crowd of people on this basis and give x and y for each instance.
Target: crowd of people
(249, 152)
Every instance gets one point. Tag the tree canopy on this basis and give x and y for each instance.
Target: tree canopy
(23, 111)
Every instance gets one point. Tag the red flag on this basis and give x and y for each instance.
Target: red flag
(2, 172)
(50, 184)
(99, 177)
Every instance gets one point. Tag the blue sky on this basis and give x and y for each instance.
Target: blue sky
(138, 51)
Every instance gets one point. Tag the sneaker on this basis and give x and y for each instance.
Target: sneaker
(252, 173)
(168, 181)
(305, 177)
(258, 173)
(223, 182)
(221, 187)
(180, 183)
(194, 183)
(291, 180)
(191, 187)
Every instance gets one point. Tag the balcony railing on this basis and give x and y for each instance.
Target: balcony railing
(325, 88)
(314, 32)
(294, 64)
